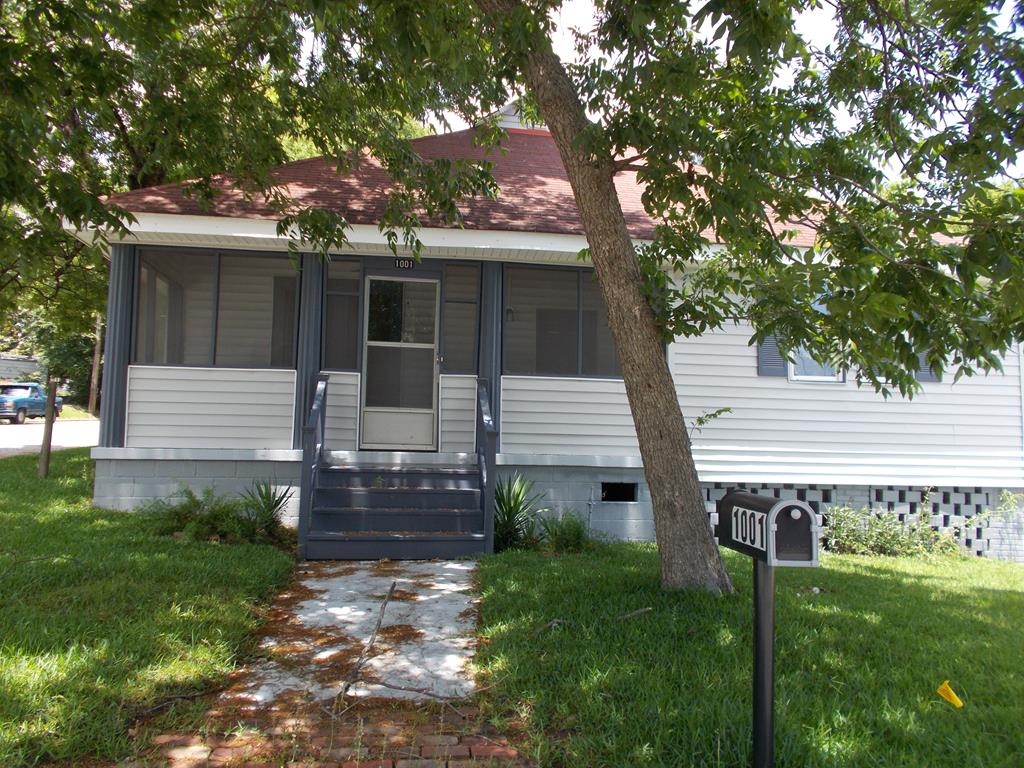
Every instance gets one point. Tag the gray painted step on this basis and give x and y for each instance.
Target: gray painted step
(393, 546)
(452, 478)
(398, 498)
(338, 519)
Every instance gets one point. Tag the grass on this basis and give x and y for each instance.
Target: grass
(101, 620)
(857, 664)
(71, 412)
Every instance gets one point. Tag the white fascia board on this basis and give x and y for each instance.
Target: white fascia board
(223, 232)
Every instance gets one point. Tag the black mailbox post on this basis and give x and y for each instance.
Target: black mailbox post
(773, 532)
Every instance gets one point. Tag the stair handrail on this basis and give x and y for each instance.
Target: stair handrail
(312, 456)
(486, 449)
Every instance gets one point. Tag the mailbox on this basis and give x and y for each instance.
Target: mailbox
(772, 532)
(780, 532)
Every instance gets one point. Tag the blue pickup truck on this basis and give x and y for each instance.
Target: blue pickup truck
(25, 401)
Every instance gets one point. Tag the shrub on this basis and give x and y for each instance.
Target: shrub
(260, 511)
(565, 533)
(882, 533)
(254, 517)
(516, 508)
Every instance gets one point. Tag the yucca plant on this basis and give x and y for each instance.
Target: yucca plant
(516, 508)
(261, 507)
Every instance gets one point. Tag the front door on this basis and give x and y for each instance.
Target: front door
(399, 398)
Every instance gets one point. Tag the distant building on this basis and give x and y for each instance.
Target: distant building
(17, 368)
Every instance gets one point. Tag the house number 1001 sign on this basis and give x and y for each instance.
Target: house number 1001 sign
(748, 527)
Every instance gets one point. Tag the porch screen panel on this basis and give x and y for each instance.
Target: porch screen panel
(599, 357)
(175, 308)
(460, 318)
(341, 317)
(541, 335)
(256, 317)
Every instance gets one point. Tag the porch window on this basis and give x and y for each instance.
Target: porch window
(341, 316)
(555, 324)
(460, 318)
(212, 310)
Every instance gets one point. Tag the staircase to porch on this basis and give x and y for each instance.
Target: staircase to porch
(400, 511)
(400, 506)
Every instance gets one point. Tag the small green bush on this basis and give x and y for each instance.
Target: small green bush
(516, 508)
(565, 533)
(255, 517)
(260, 511)
(868, 532)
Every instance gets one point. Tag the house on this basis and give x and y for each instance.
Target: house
(389, 392)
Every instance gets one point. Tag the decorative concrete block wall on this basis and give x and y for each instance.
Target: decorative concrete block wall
(129, 483)
(965, 512)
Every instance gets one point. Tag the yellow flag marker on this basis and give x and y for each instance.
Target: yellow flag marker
(947, 693)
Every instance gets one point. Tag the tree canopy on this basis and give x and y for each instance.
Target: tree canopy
(737, 124)
(895, 142)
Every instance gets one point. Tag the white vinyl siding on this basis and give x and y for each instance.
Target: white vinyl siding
(342, 411)
(782, 431)
(720, 370)
(458, 414)
(566, 416)
(176, 407)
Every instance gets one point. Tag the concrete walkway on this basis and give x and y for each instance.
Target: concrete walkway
(317, 634)
(322, 694)
(27, 437)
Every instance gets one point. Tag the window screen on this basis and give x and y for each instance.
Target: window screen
(256, 306)
(341, 316)
(460, 318)
(555, 324)
(541, 325)
(187, 298)
(599, 356)
(175, 308)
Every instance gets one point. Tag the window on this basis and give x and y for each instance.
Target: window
(460, 318)
(205, 309)
(802, 367)
(256, 304)
(175, 308)
(555, 324)
(341, 316)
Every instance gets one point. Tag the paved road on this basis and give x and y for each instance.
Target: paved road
(26, 438)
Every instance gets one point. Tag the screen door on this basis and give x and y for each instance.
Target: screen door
(399, 396)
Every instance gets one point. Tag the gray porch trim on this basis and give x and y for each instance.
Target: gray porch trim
(568, 460)
(117, 346)
(489, 357)
(307, 363)
(198, 454)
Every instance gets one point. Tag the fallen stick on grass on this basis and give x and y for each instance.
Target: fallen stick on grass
(634, 614)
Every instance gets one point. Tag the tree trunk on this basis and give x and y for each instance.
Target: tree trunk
(94, 377)
(689, 557)
(44, 449)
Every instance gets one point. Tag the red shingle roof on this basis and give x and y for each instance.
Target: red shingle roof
(534, 192)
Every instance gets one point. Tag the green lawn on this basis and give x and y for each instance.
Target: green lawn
(857, 665)
(72, 412)
(101, 620)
